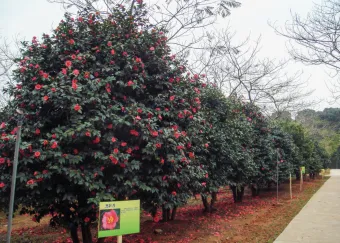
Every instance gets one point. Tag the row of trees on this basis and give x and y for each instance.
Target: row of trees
(109, 114)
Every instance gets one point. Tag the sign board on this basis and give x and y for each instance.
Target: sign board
(303, 169)
(118, 218)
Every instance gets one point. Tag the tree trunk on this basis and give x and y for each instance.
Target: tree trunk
(297, 175)
(269, 186)
(101, 240)
(74, 233)
(237, 193)
(173, 214)
(213, 200)
(255, 191)
(86, 233)
(165, 214)
(205, 203)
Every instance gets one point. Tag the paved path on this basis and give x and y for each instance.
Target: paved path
(319, 220)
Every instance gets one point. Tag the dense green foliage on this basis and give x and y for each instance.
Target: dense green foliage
(110, 114)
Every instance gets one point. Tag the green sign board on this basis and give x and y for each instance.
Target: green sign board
(118, 218)
(303, 169)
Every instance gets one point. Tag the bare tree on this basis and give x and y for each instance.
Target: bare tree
(8, 53)
(314, 40)
(238, 70)
(184, 20)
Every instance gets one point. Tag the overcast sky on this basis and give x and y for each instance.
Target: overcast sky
(33, 17)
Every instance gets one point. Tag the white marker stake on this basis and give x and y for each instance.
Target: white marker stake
(290, 186)
(301, 180)
(120, 239)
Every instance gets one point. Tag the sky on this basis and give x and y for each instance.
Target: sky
(28, 18)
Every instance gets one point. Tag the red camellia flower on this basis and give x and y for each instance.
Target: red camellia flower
(53, 89)
(45, 75)
(46, 98)
(45, 142)
(76, 72)
(37, 131)
(156, 219)
(134, 133)
(116, 150)
(87, 219)
(139, 110)
(2, 185)
(75, 151)
(71, 42)
(158, 145)
(138, 59)
(96, 140)
(109, 220)
(2, 161)
(172, 97)
(113, 159)
(206, 145)
(109, 43)
(123, 144)
(129, 150)
(152, 48)
(37, 154)
(109, 126)
(174, 193)
(77, 107)
(125, 54)
(38, 86)
(3, 125)
(88, 134)
(30, 182)
(113, 139)
(113, 52)
(154, 133)
(191, 155)
(177, 134)
(54, 145)
(68, 64)
(130, 83)
(45, 172)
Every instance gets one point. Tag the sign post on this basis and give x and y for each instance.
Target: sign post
(14, 179)
(119, 239)
(118, 218)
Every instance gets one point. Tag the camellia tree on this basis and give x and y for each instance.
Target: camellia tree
(109, 114)
(229, 160)
(272, 151)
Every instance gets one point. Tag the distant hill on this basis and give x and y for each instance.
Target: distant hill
(324, 126)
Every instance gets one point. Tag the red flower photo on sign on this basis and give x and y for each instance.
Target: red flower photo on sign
(110, 219)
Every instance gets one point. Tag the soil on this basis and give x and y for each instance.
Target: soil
(255, 220)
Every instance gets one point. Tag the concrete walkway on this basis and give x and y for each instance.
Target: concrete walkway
(319, 220)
